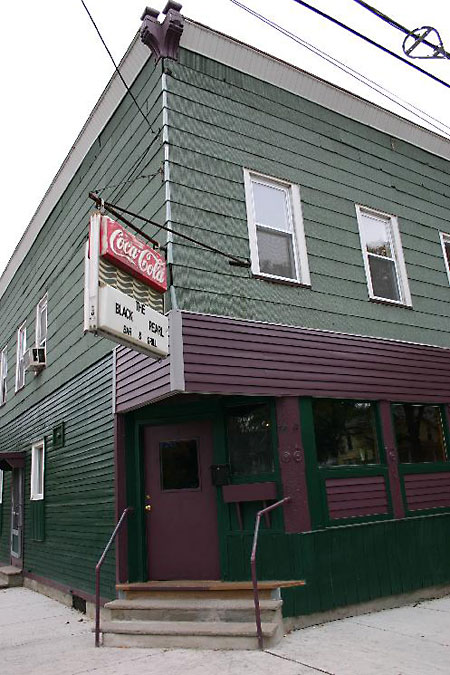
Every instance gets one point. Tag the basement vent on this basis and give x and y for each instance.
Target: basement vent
(79, 603)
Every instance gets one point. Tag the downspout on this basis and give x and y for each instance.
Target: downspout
(166, 178)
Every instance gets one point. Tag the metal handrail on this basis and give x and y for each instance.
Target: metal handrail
(253, 566)
(98, 566)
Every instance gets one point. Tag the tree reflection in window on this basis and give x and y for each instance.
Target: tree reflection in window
(345, 432)
(419, 433)
(249, 435)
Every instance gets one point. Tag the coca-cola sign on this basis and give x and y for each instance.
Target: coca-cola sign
(126, 251)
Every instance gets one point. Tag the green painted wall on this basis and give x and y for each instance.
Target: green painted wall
(126, 150)
(221, 121)
(350, 564)
(76, 518)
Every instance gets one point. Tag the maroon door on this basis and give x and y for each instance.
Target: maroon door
(182, 535)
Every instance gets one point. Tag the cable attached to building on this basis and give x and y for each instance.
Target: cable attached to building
(114, 210)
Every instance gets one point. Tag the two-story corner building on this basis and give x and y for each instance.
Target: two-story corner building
(319, 372)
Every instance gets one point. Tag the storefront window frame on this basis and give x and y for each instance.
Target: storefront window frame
(427, 466)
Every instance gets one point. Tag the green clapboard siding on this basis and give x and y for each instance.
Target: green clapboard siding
(65, 533)
(349, 564)
(126, 150)
(221, 120)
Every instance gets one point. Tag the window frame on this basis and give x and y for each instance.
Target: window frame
(445, 238)
(397, 258)
(35, 495)
(3, 375)
(297, 232)
(427, 465)
(19, 356)
(43, 303)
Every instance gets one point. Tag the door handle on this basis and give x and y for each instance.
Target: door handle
(148, 507)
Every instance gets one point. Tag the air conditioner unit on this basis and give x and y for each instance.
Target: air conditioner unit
(34, 359)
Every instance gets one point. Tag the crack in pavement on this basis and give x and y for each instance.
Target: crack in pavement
(300, 663)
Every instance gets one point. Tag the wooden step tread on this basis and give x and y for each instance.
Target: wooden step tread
(193, 585)
(187, 628)
(191, 603)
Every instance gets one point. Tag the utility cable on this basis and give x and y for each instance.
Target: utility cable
(117, 69)
(114, 208)
(396, 24)
(409, 107)
(370, 41)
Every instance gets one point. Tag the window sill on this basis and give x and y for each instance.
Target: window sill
(283, 282)
(391, 303)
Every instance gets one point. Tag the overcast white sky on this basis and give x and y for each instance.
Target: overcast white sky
(54, 68)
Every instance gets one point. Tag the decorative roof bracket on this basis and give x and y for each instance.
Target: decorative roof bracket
(163, 39)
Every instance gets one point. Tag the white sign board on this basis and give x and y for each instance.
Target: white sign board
(116, 315)
(121, 316)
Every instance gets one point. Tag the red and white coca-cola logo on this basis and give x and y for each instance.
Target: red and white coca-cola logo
(130, 254)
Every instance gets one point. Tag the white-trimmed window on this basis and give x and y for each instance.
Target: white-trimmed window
(37, 470)
(445, 241)
(383, 256)
(3, 374)
(21, 349)
(275, 226)
(41, 323)
(1, 486)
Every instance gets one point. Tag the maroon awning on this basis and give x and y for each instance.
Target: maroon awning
(12, 460)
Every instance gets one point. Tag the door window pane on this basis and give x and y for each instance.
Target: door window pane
(249, 434)
(276, 254)
(419, 433)
(384, 278)
(345, 432)
(179, 465)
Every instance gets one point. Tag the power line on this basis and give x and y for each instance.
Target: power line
(409, 107)
(396, 24)
(370, 41)
(117, 69)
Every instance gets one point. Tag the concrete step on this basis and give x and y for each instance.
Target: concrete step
(187, 634)
(193, 609)
(11, 576)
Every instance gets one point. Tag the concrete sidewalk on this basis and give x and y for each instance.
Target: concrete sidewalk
(39, 636)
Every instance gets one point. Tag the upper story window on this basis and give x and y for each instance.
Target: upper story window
(275, 225)
(3, 374)
(21, 349)
(445, 241)
(41, 323)
(345, 432)
(383, 256)
(37, 470)
(419, 432)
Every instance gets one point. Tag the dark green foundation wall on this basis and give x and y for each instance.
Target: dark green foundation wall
(342, 565)
(65, 534)
(352, 564)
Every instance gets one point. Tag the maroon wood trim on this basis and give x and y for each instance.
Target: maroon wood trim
(64, 588)
(121, 498)
(12, 460)
(249, 492)
(292, 465)
(392, 459)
